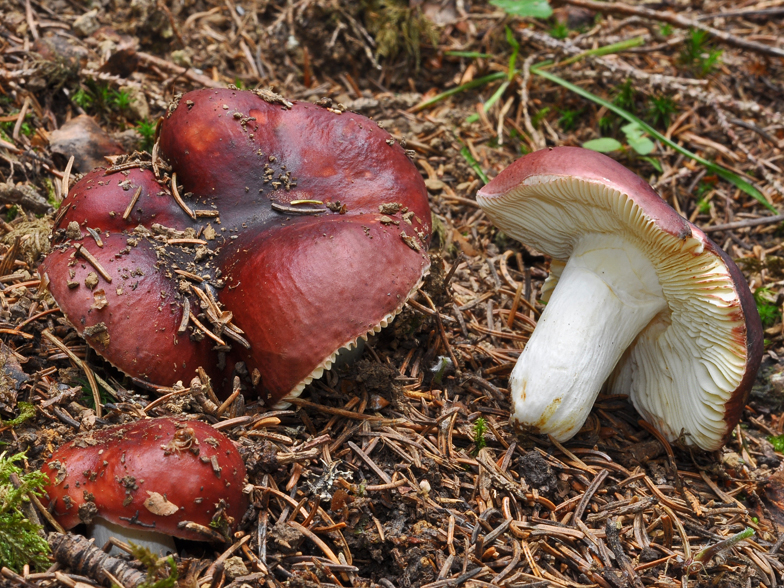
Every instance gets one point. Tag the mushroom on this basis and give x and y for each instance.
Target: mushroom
(149, 481)
(638, 300)
(275, 234)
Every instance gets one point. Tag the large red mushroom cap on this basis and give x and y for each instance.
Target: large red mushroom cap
(299, 230)
(152, 475)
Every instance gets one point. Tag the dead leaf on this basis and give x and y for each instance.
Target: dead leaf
(86, 141)
(157, 504)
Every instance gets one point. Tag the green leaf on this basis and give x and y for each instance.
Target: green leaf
(534, 8)
(654, 162)
(637, 140)
(603, 145)
(720, 171)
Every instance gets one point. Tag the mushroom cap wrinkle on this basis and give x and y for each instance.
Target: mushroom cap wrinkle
(686, 355)
(151, 475)
(308, 228)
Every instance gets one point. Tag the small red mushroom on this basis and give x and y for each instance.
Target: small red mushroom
(274, 235)
(165, 476)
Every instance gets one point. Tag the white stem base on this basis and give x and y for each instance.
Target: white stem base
(102, 530)
(607, 294)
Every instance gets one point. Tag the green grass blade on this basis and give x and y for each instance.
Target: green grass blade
(493, 99)
(606, 49)
(466, 153)
(461, 88)
(720, 171)
(469, 54)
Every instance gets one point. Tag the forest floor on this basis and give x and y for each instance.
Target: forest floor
(433, 489)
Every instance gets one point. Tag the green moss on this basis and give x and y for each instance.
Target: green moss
(20, 542)
(396, 26)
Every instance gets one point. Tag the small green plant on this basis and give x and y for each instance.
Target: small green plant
(537, 118)
(99, 97)
(7, 128)
(146, 129)
(665, 30)
(625, 96)
(479, 430)
(26, 412)
(777, 442)
(701, 193)
(703, 206)
(83, 99)
(396, 25)
(11, 212)
(443, 363)
(698, 55)
(569, 118)
(637, 140)
(660, 109)
(635, 137)
(769, 312)
(559, 30)
(20, 542)
(523, 8)
(155, 568)
(119, 99)
(705, 555)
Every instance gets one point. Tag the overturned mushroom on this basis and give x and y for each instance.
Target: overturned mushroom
(639, 300)
(149, 481)
(274, 235)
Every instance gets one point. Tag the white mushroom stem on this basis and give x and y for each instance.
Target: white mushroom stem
(159, 543)
(608, 292)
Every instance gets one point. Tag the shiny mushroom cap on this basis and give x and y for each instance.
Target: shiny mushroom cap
(155, 475)
(292, 230)
(639, 300)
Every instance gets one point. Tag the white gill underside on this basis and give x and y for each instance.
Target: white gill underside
(683, 367)
(607, 293)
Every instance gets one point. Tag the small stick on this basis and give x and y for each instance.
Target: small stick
(749, 222)
(679, 21)
(67, 177)
(228, 402)
(186, 315)
(189, 275)
(294, 210)
(186, 242)
(133, 202)
(179, 199)
(515, 304)
(62, 347)
(60, 214)
(206, 331)
(20, 120)
(442, 332)
(93, 262)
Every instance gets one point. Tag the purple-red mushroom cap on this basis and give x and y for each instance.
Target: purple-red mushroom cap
(639, 300)
(292, 230)
(155, 475)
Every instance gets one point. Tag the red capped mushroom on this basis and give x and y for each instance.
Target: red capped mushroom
(164, 476)
(292, 230)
